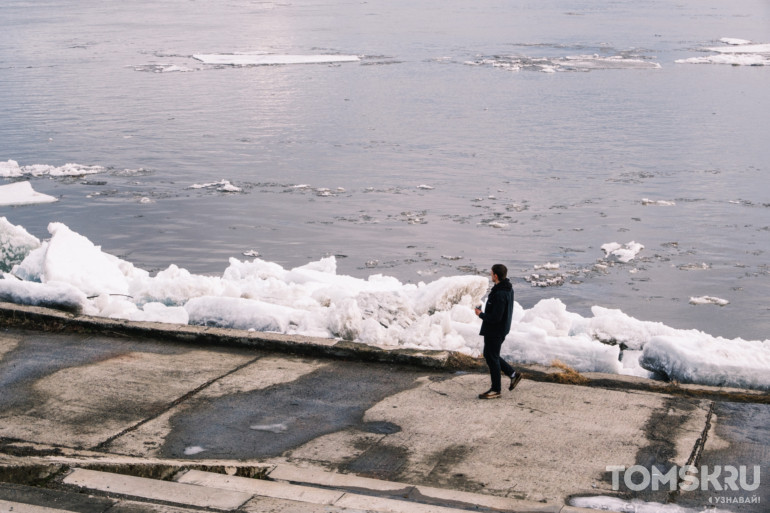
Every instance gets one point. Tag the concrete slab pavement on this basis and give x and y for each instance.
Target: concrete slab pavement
(90, 399)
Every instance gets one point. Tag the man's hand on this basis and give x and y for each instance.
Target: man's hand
(478, 311)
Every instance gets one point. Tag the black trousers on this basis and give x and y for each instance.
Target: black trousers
(492, 345)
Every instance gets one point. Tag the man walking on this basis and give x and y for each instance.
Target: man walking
(495, 325)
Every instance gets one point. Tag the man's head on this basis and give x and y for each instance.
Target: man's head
(499, 273)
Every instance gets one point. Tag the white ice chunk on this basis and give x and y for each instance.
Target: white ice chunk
(121, 307)
(313, 300)
(22, 193)
(735, 41)
(61, 296)
(174, 286)
(660, 203)
(708, 300)
(622, 252)
(736, 52)
(11, 169)
(630, 365)
(732, 60)
(193, 449)
(262, 59)
(15, 244)
(745, 48)
(71, 258)
(615, 327)
(701, 358)
(222, 186)
(545, 333)
(241, 314)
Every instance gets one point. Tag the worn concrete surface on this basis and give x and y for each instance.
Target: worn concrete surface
(97, 397)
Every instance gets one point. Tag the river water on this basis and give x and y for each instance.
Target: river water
(527, 133)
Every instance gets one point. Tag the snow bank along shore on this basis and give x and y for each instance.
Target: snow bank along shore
(68, 271)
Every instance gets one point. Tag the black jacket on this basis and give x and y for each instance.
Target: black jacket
(496, 319)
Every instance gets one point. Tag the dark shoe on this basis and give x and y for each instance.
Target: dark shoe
(489, 394)
(515, 378)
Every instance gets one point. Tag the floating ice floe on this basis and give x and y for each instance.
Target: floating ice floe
(425, 187)
(737, 52)
(622, 252)
(660, 203)
(12, 169)
(194, 449)
(567, 63)
(545, 280)
(68, 271)
(708, 300)
(222, 186)
(22, 193)
(265, 59)
(162, 68)
(694, 267)
(734, 41)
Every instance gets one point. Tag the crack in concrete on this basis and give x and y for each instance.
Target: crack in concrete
(102, 445)
(696, 453)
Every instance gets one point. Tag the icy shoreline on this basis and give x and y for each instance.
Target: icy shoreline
(70, 272)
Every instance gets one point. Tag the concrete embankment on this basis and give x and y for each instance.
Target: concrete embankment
(100, 415)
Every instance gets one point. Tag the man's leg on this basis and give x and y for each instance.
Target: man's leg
(492, 356)
(506, 367)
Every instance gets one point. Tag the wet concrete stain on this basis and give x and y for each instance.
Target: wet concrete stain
(445, 461)
(45, 354)
(661, 430)
(381, 461)
(268, 422)
(380, 427)
(745, 427)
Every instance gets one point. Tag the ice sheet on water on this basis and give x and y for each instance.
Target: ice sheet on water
(733, 60)
(659, 203)
(222, 186)
(265, 59)
(313, 300)
(22, 193)
(623, 253)
(735, 41)
(708, 300)
(162, 68)
(12, 169)
(567, 63)
(736, 52)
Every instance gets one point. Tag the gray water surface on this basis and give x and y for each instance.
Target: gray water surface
(523, 167)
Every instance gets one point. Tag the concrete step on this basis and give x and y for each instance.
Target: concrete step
(288, 485)
(20, 507)
(419, 493)
(321, 496)
(153, 489)
(23, 498)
